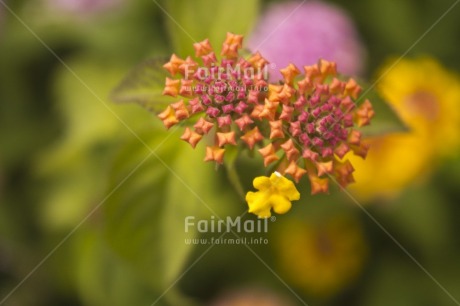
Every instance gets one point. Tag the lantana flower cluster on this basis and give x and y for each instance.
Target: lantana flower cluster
(302, 126)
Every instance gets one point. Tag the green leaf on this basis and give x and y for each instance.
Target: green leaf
(385, 120)
(192, 21)
(73, 168)
(399, 281)
(145, 217)
(144, 85)
(420, 215)
(104, 278)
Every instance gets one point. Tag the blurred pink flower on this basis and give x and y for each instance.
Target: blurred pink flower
(252, 297)
(84, 6)
(302, 33)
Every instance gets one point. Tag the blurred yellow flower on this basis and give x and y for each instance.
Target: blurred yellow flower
(324, 257)
(426, 97)
(275, 192)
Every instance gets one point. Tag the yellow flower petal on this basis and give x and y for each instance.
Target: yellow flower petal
(262, 182)
(425, 96)
(257, 203)
(280, 204)
(275, 193)
(285, 186)
(395, 161)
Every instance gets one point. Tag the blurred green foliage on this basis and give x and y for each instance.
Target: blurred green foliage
(211, 19)
(110, 181)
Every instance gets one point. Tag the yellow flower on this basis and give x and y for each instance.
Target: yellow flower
(426, 97)
(275, 192)
(323, 257)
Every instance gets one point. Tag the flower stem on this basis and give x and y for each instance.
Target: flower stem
(235, 181)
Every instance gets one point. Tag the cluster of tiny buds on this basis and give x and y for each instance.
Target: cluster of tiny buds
(304, 125)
